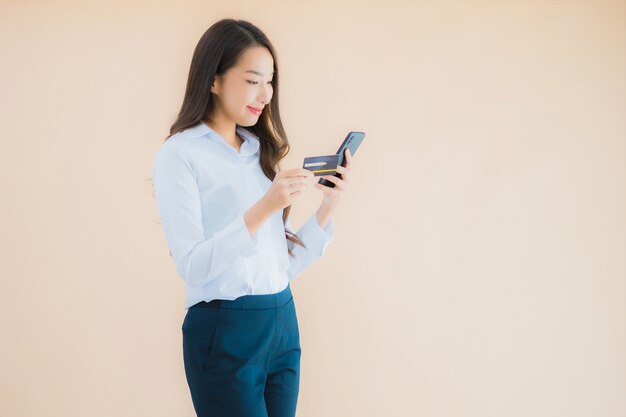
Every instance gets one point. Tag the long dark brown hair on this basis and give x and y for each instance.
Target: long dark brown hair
(218, 50)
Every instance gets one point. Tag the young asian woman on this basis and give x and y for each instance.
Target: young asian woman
(224, 204)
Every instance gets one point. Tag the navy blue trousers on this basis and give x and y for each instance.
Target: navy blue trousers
(242, 356)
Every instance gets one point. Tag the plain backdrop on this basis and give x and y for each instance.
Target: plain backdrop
(479, 263)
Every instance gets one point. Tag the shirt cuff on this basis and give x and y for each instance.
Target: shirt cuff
(315, 237)
(236, 238)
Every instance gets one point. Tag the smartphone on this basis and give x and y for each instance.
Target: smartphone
(352, 142)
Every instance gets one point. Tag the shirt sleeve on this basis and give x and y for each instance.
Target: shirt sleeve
(197, 260)
(317, 240)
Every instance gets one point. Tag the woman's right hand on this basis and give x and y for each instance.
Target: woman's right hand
(287, 186)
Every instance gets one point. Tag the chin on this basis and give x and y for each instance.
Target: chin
(248, 122)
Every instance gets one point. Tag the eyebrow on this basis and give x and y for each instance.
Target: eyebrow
(258, 73)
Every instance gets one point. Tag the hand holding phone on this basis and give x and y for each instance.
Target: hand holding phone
(352, 142)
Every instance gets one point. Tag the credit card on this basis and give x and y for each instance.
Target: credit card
(322, 165)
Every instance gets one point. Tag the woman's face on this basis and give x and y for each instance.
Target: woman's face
(246, 85)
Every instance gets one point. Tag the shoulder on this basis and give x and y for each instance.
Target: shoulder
(172, 152)
(170, 147)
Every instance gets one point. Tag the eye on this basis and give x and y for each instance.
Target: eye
(255, 82)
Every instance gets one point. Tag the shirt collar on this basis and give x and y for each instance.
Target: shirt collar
(249, 147)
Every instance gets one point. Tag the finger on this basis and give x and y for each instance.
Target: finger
(305, 172)
(344, 171)
(325, 188)
(348, 158)
(298, 172)
(328, 190)
(296, 181)
(338, 182)
(298, 188)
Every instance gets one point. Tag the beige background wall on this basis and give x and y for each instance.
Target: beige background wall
(479, 262)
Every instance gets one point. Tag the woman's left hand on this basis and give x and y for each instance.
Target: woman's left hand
(333, 195)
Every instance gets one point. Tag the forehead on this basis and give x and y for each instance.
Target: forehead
(257, 59)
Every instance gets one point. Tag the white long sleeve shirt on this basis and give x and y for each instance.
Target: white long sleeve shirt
(203, 187)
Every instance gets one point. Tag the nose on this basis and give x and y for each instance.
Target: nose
(266, 95)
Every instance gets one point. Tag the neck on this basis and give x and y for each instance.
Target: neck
(226, 130)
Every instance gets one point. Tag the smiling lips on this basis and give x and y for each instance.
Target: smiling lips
(255, 110)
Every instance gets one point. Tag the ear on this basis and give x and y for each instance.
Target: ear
(215, 85)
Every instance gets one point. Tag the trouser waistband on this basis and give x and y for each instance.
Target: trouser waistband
(260, 301)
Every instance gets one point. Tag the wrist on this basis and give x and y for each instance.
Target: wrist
(325, 205)
(257, 215)
(264, 208)
(324, 213)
